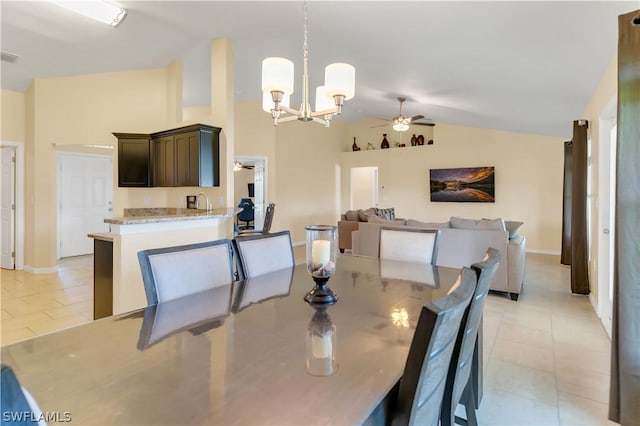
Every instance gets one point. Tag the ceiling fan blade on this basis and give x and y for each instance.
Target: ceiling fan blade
(417, 117)
(380, 125)
(423, 124)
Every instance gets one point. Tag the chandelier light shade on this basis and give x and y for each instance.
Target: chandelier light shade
(277, 75)
(277, 85)
(340, 80)
(102, 11)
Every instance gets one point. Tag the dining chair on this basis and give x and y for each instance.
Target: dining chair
(261, 288)
(266, 227)
(263, 253)
(247, 213)
(409, 245)
(18, 405)
(423, 381)
(173, 272)
(459, 388)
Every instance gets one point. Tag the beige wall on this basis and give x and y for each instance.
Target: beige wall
(528, 177)
(595, 113)
(241, 179)
(12, 111)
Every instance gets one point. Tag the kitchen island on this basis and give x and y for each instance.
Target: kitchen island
(141, 229)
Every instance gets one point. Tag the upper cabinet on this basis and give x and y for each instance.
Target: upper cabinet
(133, 160)
(187, 156)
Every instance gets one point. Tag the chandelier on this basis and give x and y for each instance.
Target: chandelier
(277, 87)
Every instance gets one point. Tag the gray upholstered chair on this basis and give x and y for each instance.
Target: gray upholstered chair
(263, 253)
(422, 385)
(459, 387)
(173, 272)
(409, 245)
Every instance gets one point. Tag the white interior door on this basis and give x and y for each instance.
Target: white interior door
(8, 217)
(364, 187)
(85, 191)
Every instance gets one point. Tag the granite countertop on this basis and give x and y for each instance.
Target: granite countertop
(168, 214)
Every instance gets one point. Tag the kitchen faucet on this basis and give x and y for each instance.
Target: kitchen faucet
(208, 204)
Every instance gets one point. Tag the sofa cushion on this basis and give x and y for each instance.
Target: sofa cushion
(490, 224)
(427, 225)
(383, 221)
(513, 228)
(363, 215)
(351, 215)
(389, 214)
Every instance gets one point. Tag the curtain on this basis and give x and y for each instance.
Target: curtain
(579, 249)
(624, 397)
(565, 254)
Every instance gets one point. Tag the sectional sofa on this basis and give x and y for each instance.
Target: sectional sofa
(461, 243)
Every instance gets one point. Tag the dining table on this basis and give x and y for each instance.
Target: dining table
(249, 353)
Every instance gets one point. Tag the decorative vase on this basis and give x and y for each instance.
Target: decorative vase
(385, 142)
(430, 142)
(321, 262)
(414, 140)
(420, 140)
(355, 146)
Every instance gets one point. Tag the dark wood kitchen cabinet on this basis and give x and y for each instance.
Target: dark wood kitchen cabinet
(186, 156)
(133, 160)
(189, 156)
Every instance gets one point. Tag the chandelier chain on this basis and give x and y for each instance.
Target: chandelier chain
(306, 26)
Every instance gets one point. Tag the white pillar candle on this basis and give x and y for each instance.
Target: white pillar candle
(321, 252)
(321, 346)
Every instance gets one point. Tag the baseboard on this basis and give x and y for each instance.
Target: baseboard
(538, 251)
(32, 270)
(594, 305)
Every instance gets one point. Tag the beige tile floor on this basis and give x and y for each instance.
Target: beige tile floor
(546, 356)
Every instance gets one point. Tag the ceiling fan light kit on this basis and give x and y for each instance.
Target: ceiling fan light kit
(278, 85)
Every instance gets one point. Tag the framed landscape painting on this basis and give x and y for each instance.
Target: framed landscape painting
(470, 184)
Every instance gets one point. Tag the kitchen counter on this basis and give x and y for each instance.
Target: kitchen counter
(156, 215)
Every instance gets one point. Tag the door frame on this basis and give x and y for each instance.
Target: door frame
(58, 189)
(605, 242)
(19, 201)
(254, 159)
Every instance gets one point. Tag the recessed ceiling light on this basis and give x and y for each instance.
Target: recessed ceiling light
(99, 10)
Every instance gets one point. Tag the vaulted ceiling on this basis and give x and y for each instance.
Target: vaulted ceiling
(520, 66)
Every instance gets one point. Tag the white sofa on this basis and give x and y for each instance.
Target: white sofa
(458, 247)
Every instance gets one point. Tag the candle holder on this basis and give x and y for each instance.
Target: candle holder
(321, 262)
(321, 344)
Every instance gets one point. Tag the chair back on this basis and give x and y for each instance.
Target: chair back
(247, 213)
(409, 245)
(173, 272)
(459, 375)
(18, 406)
(263, 253)
(268, 218)
(423, 381)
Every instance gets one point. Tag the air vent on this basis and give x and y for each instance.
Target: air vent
(8, 57)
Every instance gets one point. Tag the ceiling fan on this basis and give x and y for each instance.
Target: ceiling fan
(237, 166)
(401, 122)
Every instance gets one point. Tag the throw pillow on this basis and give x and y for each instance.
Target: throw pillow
(491, 224)
(389, 214)
(513, 227)
(351, 215)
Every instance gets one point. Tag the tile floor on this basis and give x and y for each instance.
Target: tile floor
(546, 356)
